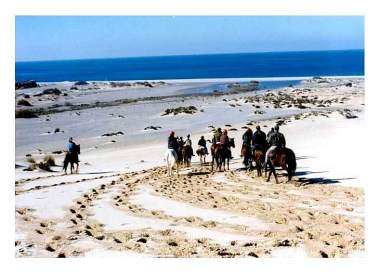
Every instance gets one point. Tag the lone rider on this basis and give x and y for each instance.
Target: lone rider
(225, 142)
(71, 145)
(202, 143)
(190, 144)
(217, 135)
(173, 143)
(275, 140)
(259, 139)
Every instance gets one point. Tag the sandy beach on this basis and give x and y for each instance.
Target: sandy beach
(122, 203)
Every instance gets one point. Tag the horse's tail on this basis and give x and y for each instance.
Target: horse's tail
(292, 163)
(65, 163)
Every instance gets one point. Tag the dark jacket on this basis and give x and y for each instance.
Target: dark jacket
(172, 143)
(259, 138)
(202, 142)
(277, 139)
(247, 138)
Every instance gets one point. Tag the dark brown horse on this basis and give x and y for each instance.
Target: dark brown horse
(220, 154)
(72, 158)
(246, 153)
(180, 155)
(258, 157)
(186, 154)
(284, 158)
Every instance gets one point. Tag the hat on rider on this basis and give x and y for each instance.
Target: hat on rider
(172, 133)
(225, 131)
(70, 139)
(188, 136)
(258, 127)
(276, 127)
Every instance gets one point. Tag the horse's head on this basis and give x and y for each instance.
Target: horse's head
(78, 148)
(232, 142)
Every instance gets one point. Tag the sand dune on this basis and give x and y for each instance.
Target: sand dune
(122, 203)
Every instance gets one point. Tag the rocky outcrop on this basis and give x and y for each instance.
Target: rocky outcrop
(26, 84)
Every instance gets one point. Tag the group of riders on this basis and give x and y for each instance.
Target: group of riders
(252, 141)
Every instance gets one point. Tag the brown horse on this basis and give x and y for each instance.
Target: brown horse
(186, 154)
(259, 159)
(72, 158)
(180, 155)
(284, 158)
(220, 153)
(246, 153)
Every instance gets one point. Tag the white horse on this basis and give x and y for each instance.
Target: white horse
(171, 159)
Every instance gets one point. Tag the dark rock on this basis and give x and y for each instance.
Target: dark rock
(81, 83)
(52, 91)
(26, 84)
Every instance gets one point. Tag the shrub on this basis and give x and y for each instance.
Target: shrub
(25, 114)
(23, 102)
(49, 160)
(30, 159)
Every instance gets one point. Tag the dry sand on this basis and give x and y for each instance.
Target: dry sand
(123, 204)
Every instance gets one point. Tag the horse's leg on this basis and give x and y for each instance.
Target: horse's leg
(271, 169)
(77, 171)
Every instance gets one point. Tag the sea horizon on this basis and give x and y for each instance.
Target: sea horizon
(197, 66)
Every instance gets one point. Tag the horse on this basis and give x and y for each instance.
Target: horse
(171, 160)
(187, 154)
(72, 158)
(220, 153)
(201, 152)
(258, 157)
(284, 158)
(246, 153)
(180, 155)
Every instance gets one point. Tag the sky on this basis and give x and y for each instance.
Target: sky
(83, 37)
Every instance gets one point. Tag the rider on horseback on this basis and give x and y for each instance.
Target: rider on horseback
(71, 145)
(247, 139)
(217, 135)
(275, 140)
(259, 139)
(225, 141)
(173, 143)
(202, 143)
(189, 143)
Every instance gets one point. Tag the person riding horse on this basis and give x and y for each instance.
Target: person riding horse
(217, 135)
(275, 140)
(247, 138)
(71, 147)
(73, 150)
(189, 143)
(259, 140)
(225, 141)
(202, 144)
(173, 143)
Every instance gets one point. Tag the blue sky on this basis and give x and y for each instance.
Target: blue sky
(71, 37)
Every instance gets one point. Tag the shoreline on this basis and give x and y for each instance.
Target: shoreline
(210, 80)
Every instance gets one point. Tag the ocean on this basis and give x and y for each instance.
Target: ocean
(239, 65)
